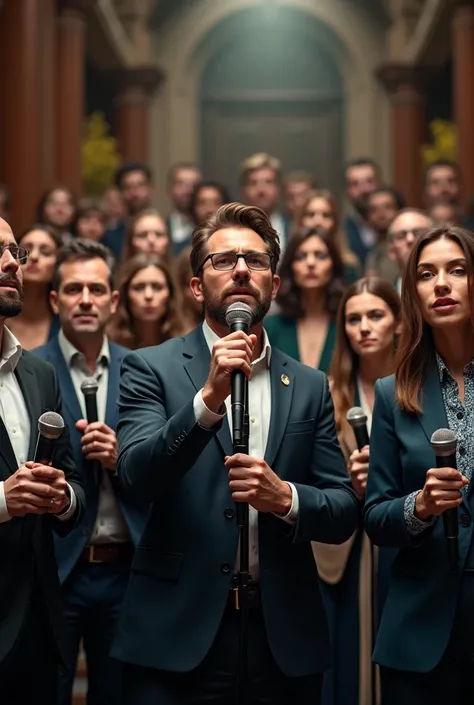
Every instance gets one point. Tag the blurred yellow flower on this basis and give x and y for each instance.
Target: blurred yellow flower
(444, 143)
(100, 156)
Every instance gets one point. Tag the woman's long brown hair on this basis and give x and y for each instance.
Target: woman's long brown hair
(415, 351)
(122, 328)
(345, 361)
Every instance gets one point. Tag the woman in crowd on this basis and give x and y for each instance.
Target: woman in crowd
(424, 643)
(320, 212)
(147, 233)
(312, 284)
(192, 310)
(36, 324)
(206, 199)
(57, 208)
(91, 220)
(368, 324)
(149, 311)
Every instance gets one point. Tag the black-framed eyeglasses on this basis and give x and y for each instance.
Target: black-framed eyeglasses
(20, 254)
(227, 261)
(400, 235)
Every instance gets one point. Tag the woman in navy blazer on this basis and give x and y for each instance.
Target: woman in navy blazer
(425, 644)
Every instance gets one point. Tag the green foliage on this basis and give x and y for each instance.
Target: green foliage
(444, 143)
(100, 156)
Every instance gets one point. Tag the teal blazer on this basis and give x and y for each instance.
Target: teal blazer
(183, 567)
(283, 334)
(423, 590)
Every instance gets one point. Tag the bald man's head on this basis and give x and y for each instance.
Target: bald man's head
(11, 278)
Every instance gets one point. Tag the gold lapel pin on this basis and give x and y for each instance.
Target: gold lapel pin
(285, 380)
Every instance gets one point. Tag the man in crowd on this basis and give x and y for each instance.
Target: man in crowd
(5, 202)
(362, 177)
(402, 233)
(179, 628)
(260, 179)
(94, 560)
(35, 500)
(182, 180)
(297, 187)
(383, 205)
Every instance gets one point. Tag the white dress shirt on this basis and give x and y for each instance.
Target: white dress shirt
(110, 526)
(278, 224)
(15, 417)
(259, 416)
(181, 227)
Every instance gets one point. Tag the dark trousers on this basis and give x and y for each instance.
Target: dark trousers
(452, 681)
(92, 597)
(214, 680)
(29, 674)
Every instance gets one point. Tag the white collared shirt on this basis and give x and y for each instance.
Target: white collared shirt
(259, 416)
(110, 526)
(14, 415)
(181, 227)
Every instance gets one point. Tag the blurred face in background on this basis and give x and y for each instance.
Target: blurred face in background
(43, 252)
(150, 236)
(114, 205)
(312, 267)
(136, 191)
(360, 182)
(403, 232)
(445, 213)
(183, 184)
(208, 201)
(148, 295)
(370, 325)
(91, 225)
(382, 209)
(319, 214)
(59, 209)
(262, 189)
(442, 185)
(296, 193)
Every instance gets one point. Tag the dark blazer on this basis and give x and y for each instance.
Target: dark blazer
(69, 548)
(354, 240)
(283, 334)
(26, 543)
(422, 594)
(183, 567)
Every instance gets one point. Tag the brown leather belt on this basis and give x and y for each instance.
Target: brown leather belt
(254, 601)
(108, 553)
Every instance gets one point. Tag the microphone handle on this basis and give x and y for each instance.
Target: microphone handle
(361, 436)
(44, 449)
(93, 416)
(238, 403)
(450, 516)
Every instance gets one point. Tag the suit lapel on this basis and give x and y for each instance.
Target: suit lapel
(112, 388)
(197, 364)
(434, 413)
(6, 452)
(282, 386)
(29, 386)
(68, 393)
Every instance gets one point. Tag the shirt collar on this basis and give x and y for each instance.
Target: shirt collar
(11, 351)
(444, 372)
(69, 351)
(212, 338)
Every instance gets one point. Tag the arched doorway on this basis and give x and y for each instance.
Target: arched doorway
(272, 85)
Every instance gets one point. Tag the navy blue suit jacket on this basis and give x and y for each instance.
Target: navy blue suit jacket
(354, 240)
(422, 595)
(68, 549)
(183, 567)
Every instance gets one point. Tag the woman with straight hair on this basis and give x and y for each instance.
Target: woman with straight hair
(149, 304)
(425, 641)
(312, 284)
(368, 323)
(147, 233)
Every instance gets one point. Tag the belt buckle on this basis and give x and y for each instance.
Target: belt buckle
(236, 598)
(92, 558)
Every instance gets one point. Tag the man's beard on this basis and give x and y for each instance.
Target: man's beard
(11, 303)
(216, 308)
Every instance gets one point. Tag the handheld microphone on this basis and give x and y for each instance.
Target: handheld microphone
(443, 442)
(89, 388)
(50, 428)
(239, 316)
(358, 421)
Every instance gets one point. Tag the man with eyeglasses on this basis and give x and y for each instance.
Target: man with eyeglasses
(402, 233)
(178, 634)
(35, 501)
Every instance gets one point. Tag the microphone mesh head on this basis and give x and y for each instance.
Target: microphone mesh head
(51, 424)
(89, 386)
(356, 417)
(239, 312)
(443, 442)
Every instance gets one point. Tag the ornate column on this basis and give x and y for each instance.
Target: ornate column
(70, 90)
(19, 120)
(462, 29)
(406, 86)
(135, 87)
